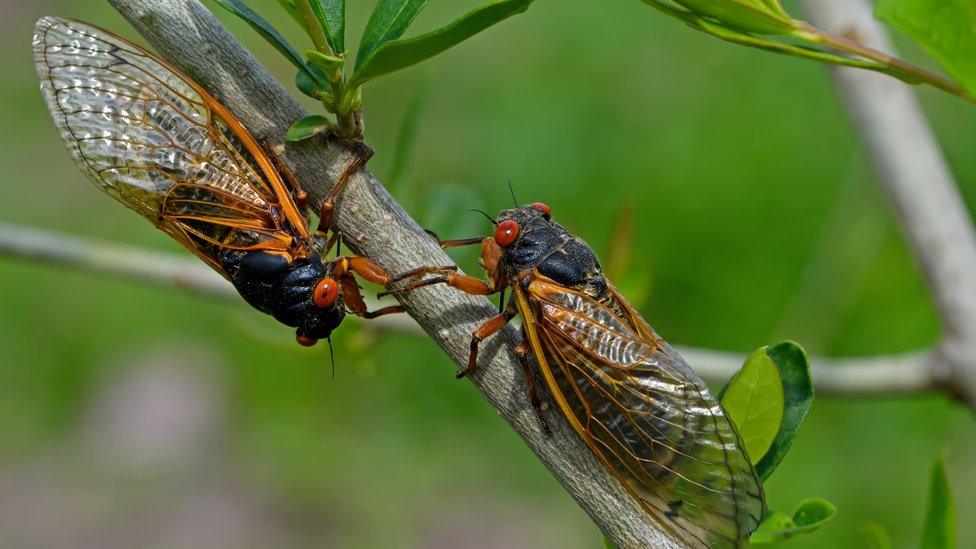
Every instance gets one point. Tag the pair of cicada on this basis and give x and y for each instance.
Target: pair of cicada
(157, 142)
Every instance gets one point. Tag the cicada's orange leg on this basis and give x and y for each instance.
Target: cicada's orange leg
(445, 244)
(486, 330)
(301, 195)
(467, 284)
(327, 209)
(522, 351)
(343, 269)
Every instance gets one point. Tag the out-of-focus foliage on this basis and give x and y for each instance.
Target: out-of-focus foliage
(753, 206)
(809, 515)
(874, 536)
(945, 28)
(940, 512)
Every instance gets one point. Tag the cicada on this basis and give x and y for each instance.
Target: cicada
(150, 137)
(631, 398)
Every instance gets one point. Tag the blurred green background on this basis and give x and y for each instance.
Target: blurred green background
(132, 415)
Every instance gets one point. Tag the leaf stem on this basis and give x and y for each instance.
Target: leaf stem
(846, 45)
(346, 120)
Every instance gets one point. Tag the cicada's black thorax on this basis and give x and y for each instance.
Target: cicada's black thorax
(546, 246)
(283, 289)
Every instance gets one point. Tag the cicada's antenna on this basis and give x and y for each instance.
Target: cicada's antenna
(512, 190)
(482, 212)
(331, 355)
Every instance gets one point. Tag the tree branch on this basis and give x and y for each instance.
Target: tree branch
(910, 167)
(850, 376)
(374, 225)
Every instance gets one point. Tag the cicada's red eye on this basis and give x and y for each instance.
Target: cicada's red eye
(326, 292)
(544, 208)
(306, 341)
(506, 232)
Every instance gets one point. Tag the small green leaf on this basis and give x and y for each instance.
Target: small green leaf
(759, 16)
(794, 373)
(754, 401)
(389, 20)
(315, 89)
(607, 544)
(939, 531)
(810, 515)
(332, 16)
(306, 85)
(329, 65)
(396, 55)
(269, 33)
(874, 536)
(813, 512)
(946, 29)
(306, 126)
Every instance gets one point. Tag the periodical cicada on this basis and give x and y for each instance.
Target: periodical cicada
(154, 140)
(631, 398)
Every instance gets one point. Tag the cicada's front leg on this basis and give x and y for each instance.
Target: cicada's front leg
(446, 275)
(344, 268)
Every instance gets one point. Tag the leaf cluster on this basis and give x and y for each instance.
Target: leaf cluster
(322, 71)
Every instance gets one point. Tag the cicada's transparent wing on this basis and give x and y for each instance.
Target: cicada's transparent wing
(646, 414)
(154, 140)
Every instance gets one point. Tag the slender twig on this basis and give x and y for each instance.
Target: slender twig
(374, 225)
(830, 48)
(875, 375)
(841, 44)
(911, 168)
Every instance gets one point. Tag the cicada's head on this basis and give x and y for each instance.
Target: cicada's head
(528, 239)
(526, 235)
(311, 300)
(301, 293)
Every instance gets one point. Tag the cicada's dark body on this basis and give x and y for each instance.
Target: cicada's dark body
(634, 401)
(154, 140)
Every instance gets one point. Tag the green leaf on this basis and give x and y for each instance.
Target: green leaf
(810, 515)
(939, 531)
(289, 7)
(794, 374)
(754, 401)
(315, 89)
(946, 29)
(329, 65)
(396, 55)
(389, 20)
(269, 33)
(759, 16)
(306, 127)
(332, 16)
(874, 536)
(306, 85)
(607, 544)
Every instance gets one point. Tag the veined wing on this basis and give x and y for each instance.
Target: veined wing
(154, 140)
(645, 414)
